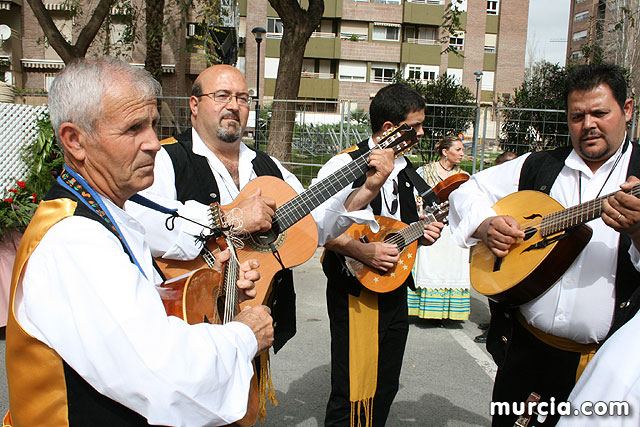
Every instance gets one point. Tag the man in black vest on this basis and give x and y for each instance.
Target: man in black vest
(543, 345)
(89, 342)
(210, 163)
(369, 330)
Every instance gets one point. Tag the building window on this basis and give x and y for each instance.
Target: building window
(387, 1)
(274, 28)
(352, 71)
(492, 7)
(420, 35)
(582, 16)
(421, 74)
(580, 1)
(386, 32)
(382, 73)
(577, 55)
(457, 42)
(580, 35)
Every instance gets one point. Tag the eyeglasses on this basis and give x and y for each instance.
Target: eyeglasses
(394, 204)
(224, 97)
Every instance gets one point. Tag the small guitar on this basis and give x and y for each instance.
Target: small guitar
(293, 237)
(403, 235)
(394, 232)
(554, 237)
(206, 296)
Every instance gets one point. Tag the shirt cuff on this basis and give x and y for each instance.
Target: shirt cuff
(246, 338)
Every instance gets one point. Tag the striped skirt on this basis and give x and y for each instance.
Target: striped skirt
(452, 304)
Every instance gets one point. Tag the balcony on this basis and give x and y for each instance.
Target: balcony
(320, 45)
(423, 51)
(423, 12)
(325, 86)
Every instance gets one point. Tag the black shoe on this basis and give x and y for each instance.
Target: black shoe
(481, 339)
(483, 326)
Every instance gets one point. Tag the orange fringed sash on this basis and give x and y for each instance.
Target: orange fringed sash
(363, 355)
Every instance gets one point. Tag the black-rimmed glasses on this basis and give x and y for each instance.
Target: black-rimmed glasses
(224, 97)
(394, 204)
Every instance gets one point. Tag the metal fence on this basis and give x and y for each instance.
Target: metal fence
(323, 128)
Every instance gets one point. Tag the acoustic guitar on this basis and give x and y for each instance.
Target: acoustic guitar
(403, 235)
(554, 237)
(293, 237)
(206, 296)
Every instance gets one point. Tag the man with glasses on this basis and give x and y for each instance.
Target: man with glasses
(369, 330)
(209, 163)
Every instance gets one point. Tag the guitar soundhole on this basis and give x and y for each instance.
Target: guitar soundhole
(529, 233)
(261, 242)
(395, 239)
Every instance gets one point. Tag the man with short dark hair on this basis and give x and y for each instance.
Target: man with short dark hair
(89, 342)
(369, 330)
(543, 345)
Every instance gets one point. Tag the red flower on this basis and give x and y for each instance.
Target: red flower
(34, 197)
(21, 184)
(8, 200)
(12, 190)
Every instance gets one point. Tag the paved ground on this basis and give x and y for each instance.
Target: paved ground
(446, 377)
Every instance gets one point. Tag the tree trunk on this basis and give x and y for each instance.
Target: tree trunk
(67, 51)
(154, 28)
(298, 25)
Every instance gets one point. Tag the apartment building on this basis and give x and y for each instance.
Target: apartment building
(29, 63)
(586, 18)
(360, 44)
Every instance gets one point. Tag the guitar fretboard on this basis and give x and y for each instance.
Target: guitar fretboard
(577, 215)
(300, 206)
(415, 230)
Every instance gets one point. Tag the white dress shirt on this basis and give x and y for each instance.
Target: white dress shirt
(180, 242)
(364, 216)
(580, 305)
(81, 295)
(612, 376)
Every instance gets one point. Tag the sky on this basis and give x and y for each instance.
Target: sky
(547, 33)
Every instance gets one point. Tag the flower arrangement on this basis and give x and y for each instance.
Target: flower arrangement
(45, 161)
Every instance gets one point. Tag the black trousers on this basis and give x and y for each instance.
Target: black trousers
(393, 328)
(532, 366)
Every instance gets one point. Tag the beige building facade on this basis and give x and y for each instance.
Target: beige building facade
(359, 45)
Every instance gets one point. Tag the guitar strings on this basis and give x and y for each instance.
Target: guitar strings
(559, 218)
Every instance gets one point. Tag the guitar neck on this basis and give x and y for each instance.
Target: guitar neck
(414, 231)
(577, 215)
(300, 206)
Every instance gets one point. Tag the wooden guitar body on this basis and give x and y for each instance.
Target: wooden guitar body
(371, 278)
(197, 298)
(527, 271)
(295, 245)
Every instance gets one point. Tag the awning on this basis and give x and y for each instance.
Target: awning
(387, 24)
(57, 6)
(43, 64)
(166, 68)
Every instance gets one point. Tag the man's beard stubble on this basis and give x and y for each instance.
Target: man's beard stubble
(228, 134)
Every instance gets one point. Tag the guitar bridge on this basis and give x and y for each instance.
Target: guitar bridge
(545, 242)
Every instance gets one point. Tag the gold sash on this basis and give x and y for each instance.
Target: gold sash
(363, 355)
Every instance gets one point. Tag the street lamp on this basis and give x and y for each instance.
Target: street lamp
(257, 33)
(478, 75)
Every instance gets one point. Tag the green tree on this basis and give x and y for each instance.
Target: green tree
(526, 125)
(450, 109)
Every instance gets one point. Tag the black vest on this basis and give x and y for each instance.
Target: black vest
(195, 181)
(539, 172)
(333, 264)
(86, 406)
(190, 169)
